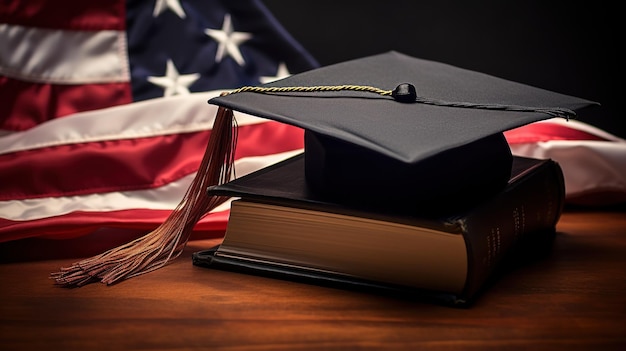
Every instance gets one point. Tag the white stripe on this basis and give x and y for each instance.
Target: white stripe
(63, 56)
(165, 197)
(160, 116)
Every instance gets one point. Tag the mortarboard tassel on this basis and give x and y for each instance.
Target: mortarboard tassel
(165, 243)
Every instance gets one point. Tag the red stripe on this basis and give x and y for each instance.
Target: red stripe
(537, 132)
(268, 138)
(26, 104)
(65, 14)
(80, 223)
(128, 164)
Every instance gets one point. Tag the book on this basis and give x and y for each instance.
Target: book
(277, 227)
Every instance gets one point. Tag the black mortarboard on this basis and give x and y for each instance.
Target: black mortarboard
(371, 138)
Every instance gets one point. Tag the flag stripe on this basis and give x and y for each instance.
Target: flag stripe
(161, 198)
(112, 165)
(63, 56)
(81, 223)
(555, 129)
(66, 14)
(100, 167)
(141, 209)
(26, 105)
(161, 116)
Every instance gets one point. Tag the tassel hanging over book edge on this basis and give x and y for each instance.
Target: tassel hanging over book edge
(166, 242)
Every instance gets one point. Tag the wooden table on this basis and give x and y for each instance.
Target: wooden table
(573, 300)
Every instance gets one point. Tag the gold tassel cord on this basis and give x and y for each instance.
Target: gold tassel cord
(315, 88)
(165, 243)
(400, 94)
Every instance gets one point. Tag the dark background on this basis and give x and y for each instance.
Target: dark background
(569, 47)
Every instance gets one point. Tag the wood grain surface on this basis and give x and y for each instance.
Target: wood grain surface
(572, 300)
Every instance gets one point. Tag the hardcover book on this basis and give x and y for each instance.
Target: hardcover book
(279, 228)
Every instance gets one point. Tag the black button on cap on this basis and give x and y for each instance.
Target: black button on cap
(404, 92)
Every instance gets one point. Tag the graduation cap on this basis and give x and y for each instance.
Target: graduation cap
(402, 131)
(388, 128)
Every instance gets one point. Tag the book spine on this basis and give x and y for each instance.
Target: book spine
(518, 225)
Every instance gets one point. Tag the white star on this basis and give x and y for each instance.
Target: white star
(228, 40)
(280, 74)
(174, 5)
(173, 82)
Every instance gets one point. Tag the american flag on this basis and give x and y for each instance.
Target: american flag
(104, 116)
(104, 120)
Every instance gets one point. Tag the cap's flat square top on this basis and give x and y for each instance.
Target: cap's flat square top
(408, 132)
